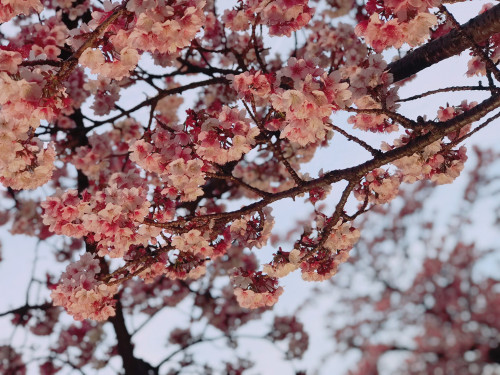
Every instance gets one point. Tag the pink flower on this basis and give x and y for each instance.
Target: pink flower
(247, 84)
(163, 30)
(31, 167)
(236, 20)
(227, 137)
(251, 300)
(12, 8)
(10, 60)
(117, 69)
(251, 232)
(186, 178)
(193, 242)
(81, 294)
(395, 32)
(379, 186)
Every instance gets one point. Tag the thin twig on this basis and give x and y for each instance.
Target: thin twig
(404, 121)
(337, 214)
(160, 95)
(447, 89)
(360, 142)
(276, 148)
(477, 49)
(239, 182)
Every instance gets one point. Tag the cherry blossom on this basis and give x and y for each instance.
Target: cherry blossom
(393, 33)
(117, 69)
(379, 187)
(10, 9)
(281, 16)
(253, 231)
(310, 103)
(145, 144)
(193, 242)
(283, 263)
(254, 290)
(10, 60)
(213, 143)
(81, 294)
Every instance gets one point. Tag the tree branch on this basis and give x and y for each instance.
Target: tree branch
(24, 309)
(479, 28)
(439, 130)
(131, 364)
(161, 95)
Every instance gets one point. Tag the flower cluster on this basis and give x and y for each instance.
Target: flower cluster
(369, 84)
(342, 237)
(185, 179)
(10, 9)
(82, 294)
(106, 93)
(10, 61)
(24, 162)
(251, 231)
(193, 242)
(254, 290)
(111, 217)
(227, 137)
(322, 263)
(169, 154)
(476, 65)
(27, 98)
(124, 61)
(436, 162)
(160, 28)
(449, 112)
(333, 46)
(281, 16)
(252, 86)
(283, 263)
(309, 102)
(378, 187)
(406, 21)
(26, 166)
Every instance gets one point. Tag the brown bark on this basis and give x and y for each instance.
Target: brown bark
(479, 28)
(131, 364)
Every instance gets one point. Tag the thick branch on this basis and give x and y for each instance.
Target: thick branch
(70, 64)
(479, 28)
(439, 131)
(131, 364)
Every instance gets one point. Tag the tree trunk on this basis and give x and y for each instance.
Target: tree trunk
(131, 364)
